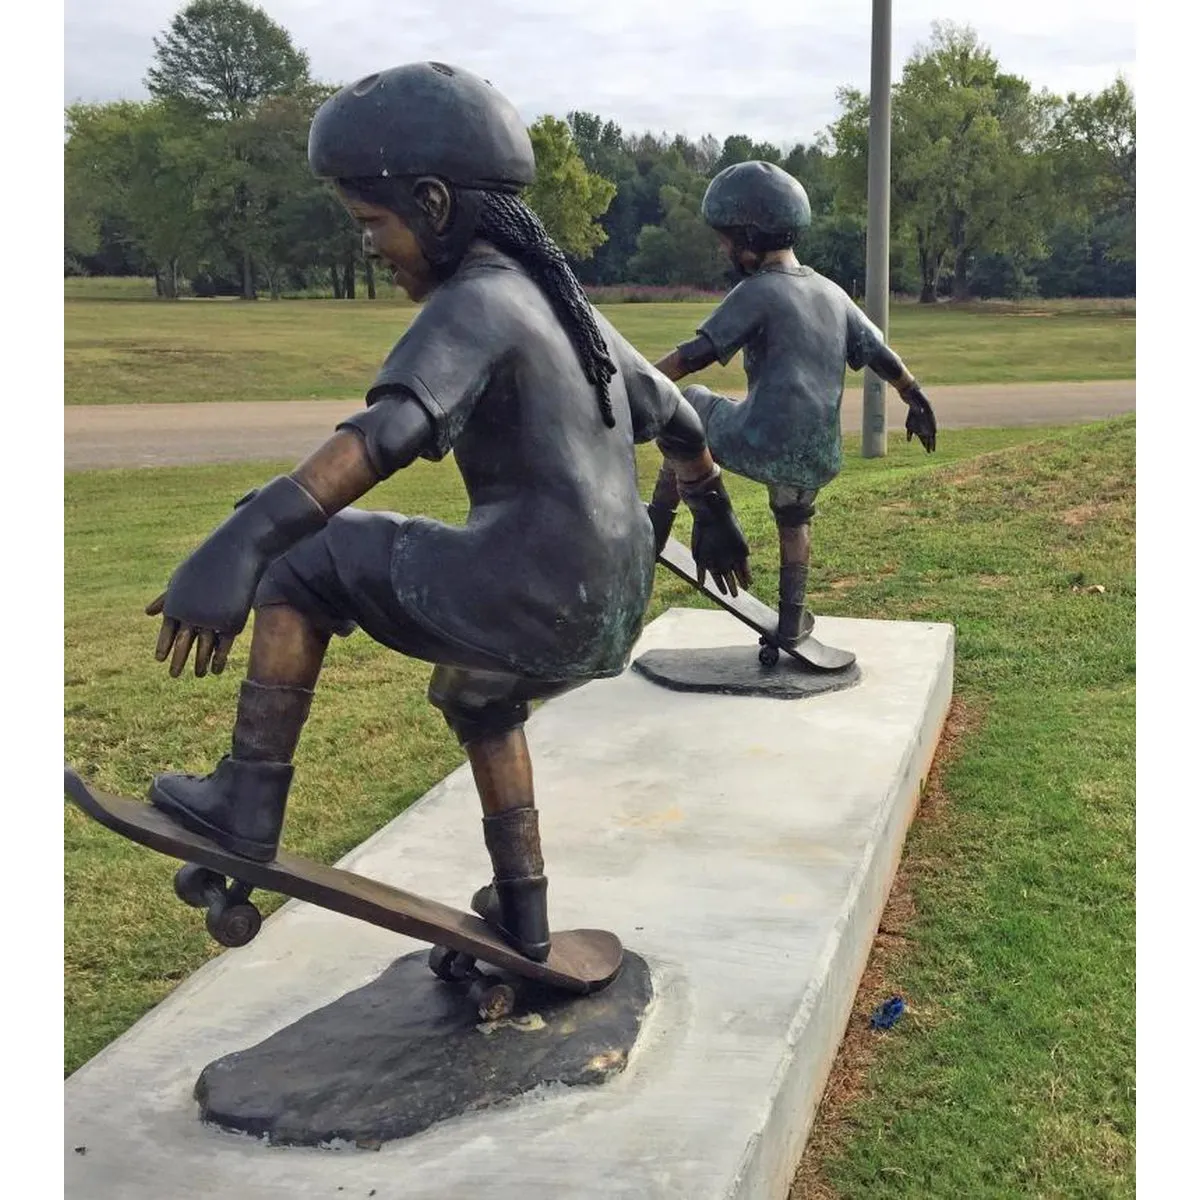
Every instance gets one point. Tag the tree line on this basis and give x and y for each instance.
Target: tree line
(997, 190)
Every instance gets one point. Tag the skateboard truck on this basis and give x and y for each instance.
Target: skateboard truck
(231, 919)
(768, 653)
(492, 997)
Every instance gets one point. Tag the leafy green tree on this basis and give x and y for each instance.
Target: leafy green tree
(223, 57)
(1085, 259)
(1095, 161)
(600, 145)
(640, 166)
(314, 232)
(740, 148)
(813, 167)
(969, 172)
(681, 249)
(836, 245)
(81, 222)
(566, 195)
(226, 62)
(261, 167)
(995, 190)
(141, 163)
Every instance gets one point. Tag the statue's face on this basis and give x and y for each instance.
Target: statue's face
(386, 235)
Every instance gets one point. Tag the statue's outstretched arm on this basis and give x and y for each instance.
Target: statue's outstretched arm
(921, 422)
(209, 597)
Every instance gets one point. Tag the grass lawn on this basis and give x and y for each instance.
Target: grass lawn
(146, 351)
(1012, 1072)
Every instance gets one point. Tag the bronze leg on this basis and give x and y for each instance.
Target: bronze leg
(795, 545)
(286, 650)
(793, 512)
(515, 902)
(286, 653)
(502, 770)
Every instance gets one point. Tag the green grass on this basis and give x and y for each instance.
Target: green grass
(200, 350)
(1012, 1073)
(108, 287)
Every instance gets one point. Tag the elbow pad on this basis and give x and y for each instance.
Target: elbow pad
(396, 428)
(696, 354)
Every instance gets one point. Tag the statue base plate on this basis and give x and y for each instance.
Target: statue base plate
(390, 1059)
(736, 671)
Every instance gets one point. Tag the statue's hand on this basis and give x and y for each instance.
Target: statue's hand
(718, 544)
(920, 422)
(207, 602)
(177, 639)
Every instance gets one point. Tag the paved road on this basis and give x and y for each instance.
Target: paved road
(164, 435)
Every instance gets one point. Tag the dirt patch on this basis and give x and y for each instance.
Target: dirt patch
(1084, 513)
(847, 1079)
(973, 470)
(995, 582)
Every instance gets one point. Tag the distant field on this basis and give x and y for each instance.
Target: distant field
(148, 351)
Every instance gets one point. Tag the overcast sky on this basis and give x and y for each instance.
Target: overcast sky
(770, 70)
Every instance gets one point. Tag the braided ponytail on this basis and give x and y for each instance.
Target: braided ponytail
(513, 227)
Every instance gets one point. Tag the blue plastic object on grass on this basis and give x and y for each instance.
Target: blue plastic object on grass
(888, 1013)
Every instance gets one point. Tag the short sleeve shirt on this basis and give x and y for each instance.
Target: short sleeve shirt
(551, 574)
(798, 332)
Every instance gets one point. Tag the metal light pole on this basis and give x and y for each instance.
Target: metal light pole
(879, 173)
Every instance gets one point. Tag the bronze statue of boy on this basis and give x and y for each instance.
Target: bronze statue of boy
(798, 331)
(540, 399)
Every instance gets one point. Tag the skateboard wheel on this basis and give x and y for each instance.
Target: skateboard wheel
(768, 655)
(451, 965)
(195, 885)
(233, 924)
(441, 962)
(493, 1000)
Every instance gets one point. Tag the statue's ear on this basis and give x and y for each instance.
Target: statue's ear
(434, 198)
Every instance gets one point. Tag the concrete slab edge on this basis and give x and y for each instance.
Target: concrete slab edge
(819, 1026)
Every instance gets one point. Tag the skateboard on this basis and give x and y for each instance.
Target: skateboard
(763, 619)
(581, 960)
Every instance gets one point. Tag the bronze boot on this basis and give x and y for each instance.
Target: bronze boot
(241, 804)
(514, 903)
(793, 584)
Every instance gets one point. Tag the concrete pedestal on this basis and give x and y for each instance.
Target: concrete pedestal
(743, 846)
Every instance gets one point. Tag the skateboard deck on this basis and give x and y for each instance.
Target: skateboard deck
(763, 619)
(581, 960)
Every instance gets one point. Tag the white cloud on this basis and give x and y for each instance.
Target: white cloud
(769, 70)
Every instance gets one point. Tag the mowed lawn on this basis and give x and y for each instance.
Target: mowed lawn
(1012, 1073)
(123, 351)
